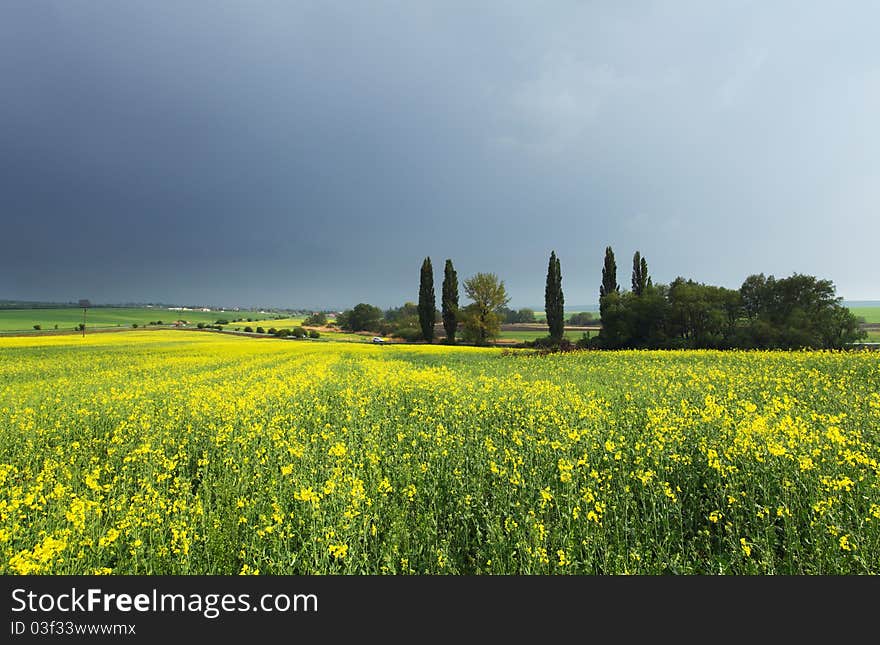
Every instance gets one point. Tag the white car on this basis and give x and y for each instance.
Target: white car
(378, 340)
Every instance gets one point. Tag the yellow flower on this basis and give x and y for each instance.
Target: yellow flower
(385, 486)
(109, 538)
(338, 551)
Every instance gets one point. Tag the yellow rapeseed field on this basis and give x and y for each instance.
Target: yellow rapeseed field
(172, 452)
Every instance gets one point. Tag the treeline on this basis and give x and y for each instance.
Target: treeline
(800, 311)
(477, 322)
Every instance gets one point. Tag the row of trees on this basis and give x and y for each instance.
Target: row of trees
(765, 312)
(477, 322)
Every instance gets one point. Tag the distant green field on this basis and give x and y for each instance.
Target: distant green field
(289, 323)
(532, 335)
(104, 317)
(870, 314)
(262, 321)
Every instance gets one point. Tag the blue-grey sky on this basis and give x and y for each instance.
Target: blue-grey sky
(311, 154)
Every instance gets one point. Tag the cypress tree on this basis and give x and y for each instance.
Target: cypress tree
(609, 275)
(553, 299)
(427, 303)
(637, 268)
(639, 274)
(449, 303)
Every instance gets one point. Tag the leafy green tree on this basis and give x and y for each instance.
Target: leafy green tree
(317, 319)
(553, 299)
(449, 303)
(363, 317)
(580, 319)
(427, 302)
(796, 312)
(408, 311)
(481, 321)
(513, 316)
(702, 316)
(524, 315)
(402, 322)
(635, 321)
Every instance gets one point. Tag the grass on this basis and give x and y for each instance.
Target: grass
(266, 323)
(289, 323)
(19, 320)
(532, 335)
(200, 453)
(870, 314)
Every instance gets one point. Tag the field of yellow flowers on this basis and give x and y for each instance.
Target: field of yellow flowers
(195, 453)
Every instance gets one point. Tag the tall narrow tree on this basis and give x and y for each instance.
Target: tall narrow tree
(427, 302)
(639, 274)
(449, 303)
(609, 275)
(553, 299)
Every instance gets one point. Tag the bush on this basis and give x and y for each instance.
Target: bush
(314, 333)
(282, 333)
(549, 344)
(218, 327)
(200, 325)
(580, 319)
(134, 325)
(249, 329)
(298, 332)
(159, 322)
(37, 327)
(272, 330)
(587, 342)
(363, 317)
(408, 334)
(222, 321)
(316, 320)
(260, 330)
(250, 320)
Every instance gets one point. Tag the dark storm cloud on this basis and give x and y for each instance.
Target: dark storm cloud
(311, 154)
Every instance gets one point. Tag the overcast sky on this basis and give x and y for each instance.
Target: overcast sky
(311, 154)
